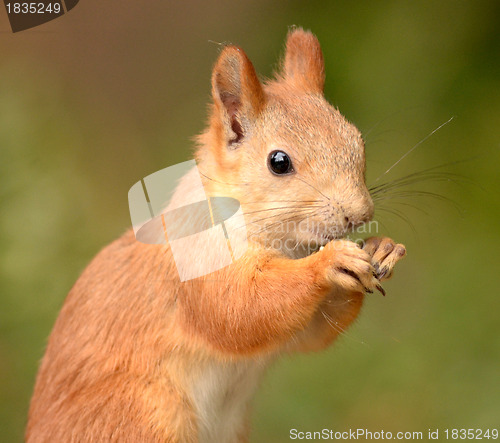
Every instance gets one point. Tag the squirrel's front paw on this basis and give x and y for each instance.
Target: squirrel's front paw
(350, 267)
(385, 253)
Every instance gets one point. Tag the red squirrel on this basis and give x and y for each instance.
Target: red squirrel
(137, 355)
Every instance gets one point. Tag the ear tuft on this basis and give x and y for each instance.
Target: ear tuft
(237, 93)
(304, 65)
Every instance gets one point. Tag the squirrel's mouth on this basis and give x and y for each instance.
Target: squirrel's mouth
(314, 250)
(318, 240)
(322, 237)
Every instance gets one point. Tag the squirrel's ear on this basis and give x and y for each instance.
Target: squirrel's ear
(237, 93)
(304, 65)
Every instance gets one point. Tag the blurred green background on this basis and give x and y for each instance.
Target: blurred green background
(113, 91)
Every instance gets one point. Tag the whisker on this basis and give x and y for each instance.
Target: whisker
(400, 215)
(415, 147)
(293, 217)
(345, 302)
(338, 329)
(309, 184)
(291, 209)
(223, 183)
(280, 208)
(332, 324)
(418, 178)
(295, 212)
(424, 171)
(420, 193)
(305, 214)
(383, 225)
(281, 201)
(383, 119)
(396, 202)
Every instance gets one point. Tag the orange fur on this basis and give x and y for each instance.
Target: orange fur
(137, 356)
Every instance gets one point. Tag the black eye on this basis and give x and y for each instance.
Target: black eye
(279, 163)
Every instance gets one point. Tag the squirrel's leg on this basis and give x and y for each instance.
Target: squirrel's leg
(341, 307)
(260, 301)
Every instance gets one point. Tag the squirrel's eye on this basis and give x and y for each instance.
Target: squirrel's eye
(279, 163)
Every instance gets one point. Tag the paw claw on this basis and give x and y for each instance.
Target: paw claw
(385, 253)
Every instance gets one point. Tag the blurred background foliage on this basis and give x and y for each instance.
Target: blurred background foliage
(113, 91)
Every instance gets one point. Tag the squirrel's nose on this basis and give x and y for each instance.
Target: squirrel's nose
(359, 215)
(354, 222)
(351, 222)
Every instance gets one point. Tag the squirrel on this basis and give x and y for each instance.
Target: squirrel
(136, 355)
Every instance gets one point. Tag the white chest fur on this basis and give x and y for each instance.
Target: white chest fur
(221, 395)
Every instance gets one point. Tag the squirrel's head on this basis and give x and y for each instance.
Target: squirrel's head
(296, 165)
